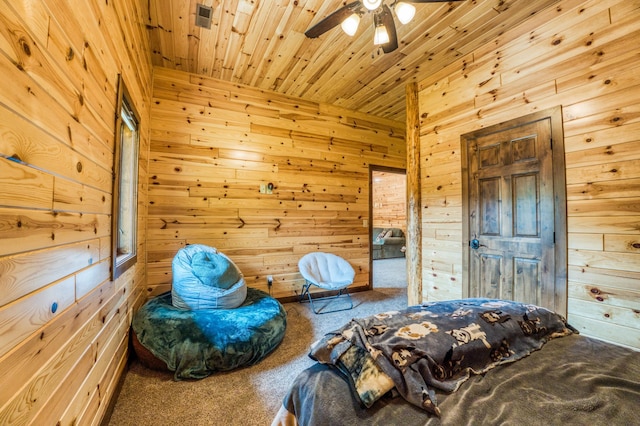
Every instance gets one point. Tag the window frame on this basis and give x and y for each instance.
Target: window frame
(126, 117)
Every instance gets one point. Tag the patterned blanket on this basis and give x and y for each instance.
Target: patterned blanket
(436, 345)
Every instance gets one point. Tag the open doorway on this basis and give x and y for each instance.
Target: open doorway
(387, 226)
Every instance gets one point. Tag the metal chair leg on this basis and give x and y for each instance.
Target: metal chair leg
(306, 293)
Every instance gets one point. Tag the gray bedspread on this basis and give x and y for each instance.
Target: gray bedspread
(574, 380)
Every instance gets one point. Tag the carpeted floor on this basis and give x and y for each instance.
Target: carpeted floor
(390, 273)
(252, 395)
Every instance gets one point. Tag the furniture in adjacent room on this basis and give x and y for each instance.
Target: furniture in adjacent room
(388, 243)
(329, 272)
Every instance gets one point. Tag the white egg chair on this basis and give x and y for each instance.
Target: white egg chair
(329, 272)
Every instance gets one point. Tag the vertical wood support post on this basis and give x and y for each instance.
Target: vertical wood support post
(414, 218)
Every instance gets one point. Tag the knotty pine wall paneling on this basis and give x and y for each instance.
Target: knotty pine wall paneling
(583, 56)
(215, 144)
(63, 323)
(389, 200)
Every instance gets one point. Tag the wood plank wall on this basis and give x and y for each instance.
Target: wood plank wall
(389, 199)
(63, 323)
(215, 144)
(584, 56)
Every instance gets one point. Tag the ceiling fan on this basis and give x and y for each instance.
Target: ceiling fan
(385, 35)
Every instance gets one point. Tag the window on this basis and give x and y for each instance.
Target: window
(125, 189)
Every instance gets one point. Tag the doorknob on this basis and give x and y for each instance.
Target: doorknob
(474, 244)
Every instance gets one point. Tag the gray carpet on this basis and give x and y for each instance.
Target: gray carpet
(251, 395)
(390, 273)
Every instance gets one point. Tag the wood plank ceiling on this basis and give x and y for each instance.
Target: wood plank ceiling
(261, 43)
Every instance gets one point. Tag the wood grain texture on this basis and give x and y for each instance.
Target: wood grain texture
(252, 101)
(577, 55)
(389, 198)
(64, 324)
(262, 44)
(208, 186)
(414, 198)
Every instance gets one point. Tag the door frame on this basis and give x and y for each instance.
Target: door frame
(376, 168)
(554, 115)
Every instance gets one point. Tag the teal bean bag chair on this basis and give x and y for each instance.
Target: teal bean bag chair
(196, 343)
(204, 278)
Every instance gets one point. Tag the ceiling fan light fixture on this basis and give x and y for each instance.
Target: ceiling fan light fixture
(405, 12)
(350, 25)
(371, 4)
(381, 35)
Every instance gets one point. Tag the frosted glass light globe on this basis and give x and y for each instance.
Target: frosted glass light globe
(405, 12)
(381, 36)
(350, 25)
(371, 4)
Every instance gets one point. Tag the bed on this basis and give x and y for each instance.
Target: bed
(470, 361)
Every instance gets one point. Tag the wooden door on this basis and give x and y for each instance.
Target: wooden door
(511, 240)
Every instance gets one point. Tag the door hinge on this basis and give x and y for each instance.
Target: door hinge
(554, 238)
(551, 143)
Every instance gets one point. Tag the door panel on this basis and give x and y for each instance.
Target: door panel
(489, 199)
(527, 285)
(491, 269)
(525, 196)
(510, 214)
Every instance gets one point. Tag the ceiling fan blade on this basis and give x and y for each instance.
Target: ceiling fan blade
(428, 1)
(387, 20)
(333, 20)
